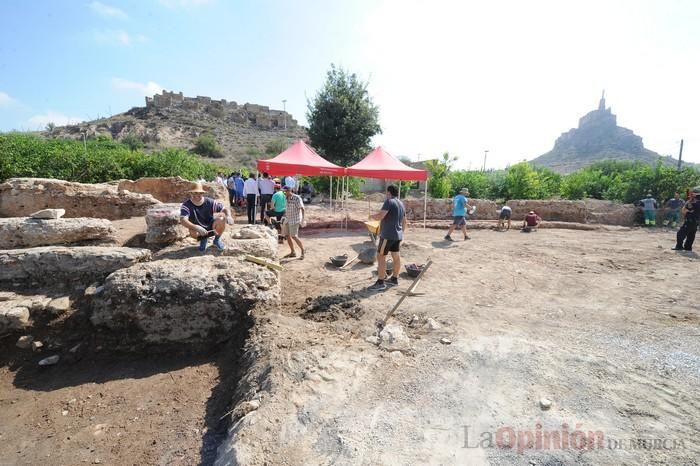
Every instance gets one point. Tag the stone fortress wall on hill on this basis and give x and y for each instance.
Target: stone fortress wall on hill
(253, 114)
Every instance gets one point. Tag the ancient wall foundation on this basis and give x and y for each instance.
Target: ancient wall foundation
(588, 211)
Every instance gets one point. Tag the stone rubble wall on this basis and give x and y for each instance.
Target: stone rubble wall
(25, 232)
(172, 189)
(588, 211)
(20, 197)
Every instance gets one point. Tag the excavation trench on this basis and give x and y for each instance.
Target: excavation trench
(110, 400)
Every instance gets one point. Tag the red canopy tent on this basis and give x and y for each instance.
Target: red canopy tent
(381, 164)
(300, 159)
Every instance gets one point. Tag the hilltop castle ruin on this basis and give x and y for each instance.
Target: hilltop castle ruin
(260, 116)
(598, 137)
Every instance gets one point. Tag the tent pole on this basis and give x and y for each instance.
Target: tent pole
(347, 194)
(342, 201)
(337, 193)
(425, 203)
(330, 201)
(399, 189)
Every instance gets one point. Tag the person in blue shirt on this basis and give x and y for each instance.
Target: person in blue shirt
(459, 214)
(239, 189)
(673, 215)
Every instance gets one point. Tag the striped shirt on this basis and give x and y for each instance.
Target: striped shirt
(294, 206)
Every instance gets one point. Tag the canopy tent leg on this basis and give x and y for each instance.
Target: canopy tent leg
(399, 189)
(425, 203)
(330, 194)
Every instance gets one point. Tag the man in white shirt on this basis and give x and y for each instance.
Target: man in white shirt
(267, 188)
(250, 191)
(292, 183)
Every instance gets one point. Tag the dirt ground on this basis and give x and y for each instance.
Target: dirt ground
(602, 323)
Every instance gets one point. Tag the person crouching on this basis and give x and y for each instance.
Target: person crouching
(531, 222)
(205, 217)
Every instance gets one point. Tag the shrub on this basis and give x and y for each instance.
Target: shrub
(133, 141)
(207, 146)
(100, 160)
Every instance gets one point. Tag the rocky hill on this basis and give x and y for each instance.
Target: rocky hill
(597, 138)
(245, 132)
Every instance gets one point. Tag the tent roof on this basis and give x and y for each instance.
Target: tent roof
(300, 159)
(381, 164)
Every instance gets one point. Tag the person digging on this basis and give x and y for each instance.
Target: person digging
(205, 217)
(393, 225)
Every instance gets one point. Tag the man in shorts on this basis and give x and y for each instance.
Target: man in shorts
(295, 217)
(393, 224)
(504, 213)
(459, 214)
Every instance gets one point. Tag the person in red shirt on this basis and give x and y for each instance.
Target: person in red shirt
(531, 222)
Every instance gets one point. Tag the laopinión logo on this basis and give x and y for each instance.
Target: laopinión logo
(520, 440)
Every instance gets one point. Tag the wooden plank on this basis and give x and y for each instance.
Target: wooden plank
(261, 261)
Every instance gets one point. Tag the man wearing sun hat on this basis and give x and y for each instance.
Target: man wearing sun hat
(204, 217)
(686, 233)
(459, 214)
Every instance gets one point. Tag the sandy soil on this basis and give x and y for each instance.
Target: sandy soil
(602, 323)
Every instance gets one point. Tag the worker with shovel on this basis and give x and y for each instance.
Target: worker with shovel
(393, 224)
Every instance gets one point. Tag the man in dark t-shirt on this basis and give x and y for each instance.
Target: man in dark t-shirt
(393, 224)
(205, 217)
(686, 233)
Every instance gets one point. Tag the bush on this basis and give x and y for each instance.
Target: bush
(207, 146)
(133, 141)
(100, 160)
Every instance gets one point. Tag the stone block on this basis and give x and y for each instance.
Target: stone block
(55, 263)
(194, 300)
(163, 224)
(49, 214)
(13, 318)
(26, 232)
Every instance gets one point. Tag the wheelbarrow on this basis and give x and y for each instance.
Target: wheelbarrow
(373, 229)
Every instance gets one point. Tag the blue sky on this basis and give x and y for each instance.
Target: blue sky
(463, 77)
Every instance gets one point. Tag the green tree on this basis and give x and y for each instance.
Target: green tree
(207, 146)
(522, 182)
(439, 185)
(342, 118)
